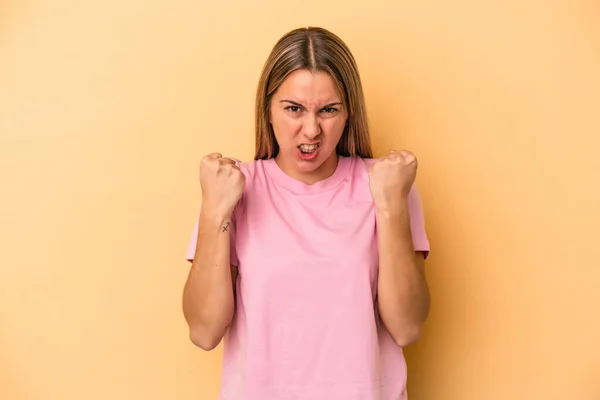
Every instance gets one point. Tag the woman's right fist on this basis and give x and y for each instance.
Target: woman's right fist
(222, 184)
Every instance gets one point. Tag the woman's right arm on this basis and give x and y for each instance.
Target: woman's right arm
(208, 296)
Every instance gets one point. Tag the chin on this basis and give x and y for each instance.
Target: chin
(307, 166)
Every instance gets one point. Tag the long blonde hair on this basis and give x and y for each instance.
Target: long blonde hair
(317, 50)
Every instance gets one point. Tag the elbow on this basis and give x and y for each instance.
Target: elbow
(407, 335)
(203, 339)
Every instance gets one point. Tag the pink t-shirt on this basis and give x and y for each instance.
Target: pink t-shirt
(306, 325)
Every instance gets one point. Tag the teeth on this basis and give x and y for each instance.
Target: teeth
(306, 148)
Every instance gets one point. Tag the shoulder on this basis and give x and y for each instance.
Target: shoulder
(256, 173)
(368, 162)
(252, 168)
(359, 165)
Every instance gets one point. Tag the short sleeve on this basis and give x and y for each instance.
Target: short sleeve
(417, 222)
(191, 249)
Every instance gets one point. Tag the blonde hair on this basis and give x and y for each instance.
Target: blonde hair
(317, 50)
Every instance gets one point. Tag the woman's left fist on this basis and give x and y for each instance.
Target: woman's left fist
(392, 177)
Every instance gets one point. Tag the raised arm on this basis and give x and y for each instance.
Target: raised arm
(403, 293)
(208, 295)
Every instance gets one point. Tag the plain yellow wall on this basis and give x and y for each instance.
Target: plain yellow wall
(107, 107)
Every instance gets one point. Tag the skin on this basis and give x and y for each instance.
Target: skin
(208, 295)
(403, 294)
(307, 109)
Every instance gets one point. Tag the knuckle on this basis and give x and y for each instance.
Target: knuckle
(211, 157)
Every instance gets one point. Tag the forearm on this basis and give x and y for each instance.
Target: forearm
(208, 298)
(403, 295)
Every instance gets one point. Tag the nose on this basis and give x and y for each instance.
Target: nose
(311, 127)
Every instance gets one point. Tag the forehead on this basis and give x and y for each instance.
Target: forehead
(308, 87)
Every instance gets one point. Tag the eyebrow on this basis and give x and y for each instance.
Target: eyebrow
(300, 105)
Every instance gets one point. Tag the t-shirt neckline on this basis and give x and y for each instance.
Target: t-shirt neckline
(293, 184)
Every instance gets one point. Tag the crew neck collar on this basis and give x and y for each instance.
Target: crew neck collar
(297, 186)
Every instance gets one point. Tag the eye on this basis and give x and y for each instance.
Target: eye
(329, 110)
(293, 109)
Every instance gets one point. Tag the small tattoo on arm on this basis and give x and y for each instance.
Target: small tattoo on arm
(226, 226)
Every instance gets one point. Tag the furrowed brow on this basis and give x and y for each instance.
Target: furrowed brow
(291, 102)
(337, 103)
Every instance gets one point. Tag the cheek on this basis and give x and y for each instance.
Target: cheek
(334, 127)
(285, 128)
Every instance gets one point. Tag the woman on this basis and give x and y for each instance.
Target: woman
(309, 260)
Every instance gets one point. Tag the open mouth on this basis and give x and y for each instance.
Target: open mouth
(308, 148)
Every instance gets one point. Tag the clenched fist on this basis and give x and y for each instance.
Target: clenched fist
(222, 184)
(391, 178)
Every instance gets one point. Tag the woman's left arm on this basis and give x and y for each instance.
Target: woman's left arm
(403, 294)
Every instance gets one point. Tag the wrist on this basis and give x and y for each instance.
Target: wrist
(392, 211)
(214, 215)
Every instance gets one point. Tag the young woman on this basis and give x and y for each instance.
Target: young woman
(309, 260)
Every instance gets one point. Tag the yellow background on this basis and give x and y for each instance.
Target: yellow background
(106, 108)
